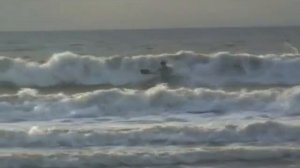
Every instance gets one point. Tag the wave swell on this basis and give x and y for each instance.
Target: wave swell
(190, 68)
(263, 133)
(150, 158)
(28, 104)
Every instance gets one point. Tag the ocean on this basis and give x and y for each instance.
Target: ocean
(77, 99)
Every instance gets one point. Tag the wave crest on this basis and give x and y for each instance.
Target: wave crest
(190, 68)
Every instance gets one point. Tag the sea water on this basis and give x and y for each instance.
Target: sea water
(78, 99)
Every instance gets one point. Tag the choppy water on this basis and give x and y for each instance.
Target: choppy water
(77, 99)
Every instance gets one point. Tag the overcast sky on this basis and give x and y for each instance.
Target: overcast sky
(134, 14)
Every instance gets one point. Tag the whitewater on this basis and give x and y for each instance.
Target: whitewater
(78, 99)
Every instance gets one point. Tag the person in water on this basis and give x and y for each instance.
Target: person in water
(165, 71)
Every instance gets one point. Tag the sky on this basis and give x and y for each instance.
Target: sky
(31, 15)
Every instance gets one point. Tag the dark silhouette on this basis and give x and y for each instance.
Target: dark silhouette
(165, 71)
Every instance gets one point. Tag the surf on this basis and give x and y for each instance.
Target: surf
(191, 69)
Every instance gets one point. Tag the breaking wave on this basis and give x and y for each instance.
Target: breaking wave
(190, 68)
(261, 133)
(29, 104)
(150, 157)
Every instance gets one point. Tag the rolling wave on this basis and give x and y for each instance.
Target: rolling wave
(260, 133)
(152, 157)
(190, 68)
(29, 104)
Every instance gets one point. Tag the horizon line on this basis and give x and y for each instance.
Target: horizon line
(149, 29)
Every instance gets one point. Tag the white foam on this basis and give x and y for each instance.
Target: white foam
(152, 157)
(28, 104)
(261, 133)
(190, 68)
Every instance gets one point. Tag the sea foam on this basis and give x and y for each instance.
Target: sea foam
(261, 133)
(28, 104)
(190, 68)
